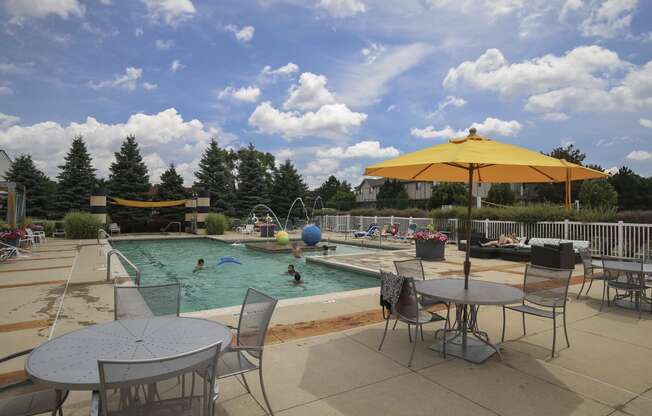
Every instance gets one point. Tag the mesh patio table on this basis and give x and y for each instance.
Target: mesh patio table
(465, 340)
(633, 270)
(69, 362)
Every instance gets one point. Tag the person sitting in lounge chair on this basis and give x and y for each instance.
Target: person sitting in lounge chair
(503, 240)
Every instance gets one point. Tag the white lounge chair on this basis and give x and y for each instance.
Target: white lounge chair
(39, 236)
(114, 228)
(247, 229)
(27, 240)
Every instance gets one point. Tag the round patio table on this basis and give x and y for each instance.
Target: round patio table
(632, 269)
(465, 340)
(69, 362)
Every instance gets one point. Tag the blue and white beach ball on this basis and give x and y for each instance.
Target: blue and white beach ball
(311, 234)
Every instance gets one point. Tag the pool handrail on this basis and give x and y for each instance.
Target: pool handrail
(119, 254)
(164, 229)
(101, 231)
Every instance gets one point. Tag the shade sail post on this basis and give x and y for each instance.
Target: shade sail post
(467, 262)
(567, 192)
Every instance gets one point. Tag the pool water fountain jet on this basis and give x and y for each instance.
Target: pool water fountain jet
(305, 211)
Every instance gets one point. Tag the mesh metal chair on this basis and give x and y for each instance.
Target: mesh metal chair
(546, 293)
(178, 385)
(134, 302)
(26, 398)
(590, 272)
(414, 268)
(407, 309)
(247, 354)
(630, 284)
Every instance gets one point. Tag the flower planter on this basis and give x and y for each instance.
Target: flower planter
(430, 250)
(11, 242)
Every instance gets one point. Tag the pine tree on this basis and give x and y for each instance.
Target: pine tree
(39, 189)
(215, 172)
(286, 187)
(76, 179)
(251, 181)
(171, 189)
(128, 179)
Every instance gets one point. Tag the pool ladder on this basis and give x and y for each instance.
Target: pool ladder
(122, 256)
(164, 229)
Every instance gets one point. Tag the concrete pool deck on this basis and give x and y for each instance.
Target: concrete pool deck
(323, 357)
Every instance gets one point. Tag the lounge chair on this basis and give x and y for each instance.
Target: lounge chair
(114, 228)
(247, 229)
(27, 240)
(359, 234)
(59, 231)
(7, 252)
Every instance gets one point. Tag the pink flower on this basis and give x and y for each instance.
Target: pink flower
(430, 236)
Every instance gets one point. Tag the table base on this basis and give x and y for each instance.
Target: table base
(630, 304)
(476, 351)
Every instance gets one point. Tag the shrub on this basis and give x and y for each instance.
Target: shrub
(216, 224)
(325, 211)
(4, 226)
(388, 212)
(635, 216)
(528, 214)
(598, 193)
(47, 225)
(81, 225)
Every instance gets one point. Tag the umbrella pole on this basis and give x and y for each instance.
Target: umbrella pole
(467, 262)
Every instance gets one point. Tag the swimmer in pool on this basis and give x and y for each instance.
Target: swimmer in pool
(296, 251)
(297, 277)
(199, 266)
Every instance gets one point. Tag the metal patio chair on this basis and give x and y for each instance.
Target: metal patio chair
(26, 398)
(546, 291)
(414, 268)
(633, 284)
(178, 385)
(134, 302)
(405, 308)
(590, 272)
(247, 354)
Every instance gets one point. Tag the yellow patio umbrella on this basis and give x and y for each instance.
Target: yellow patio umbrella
(478, 159)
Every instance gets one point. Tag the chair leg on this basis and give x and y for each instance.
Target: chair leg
(395, 322)
(565, 330)
(604, 289)
(524, 331)
(581, 288)
(554, 332)
(262, 388)
(414, 345)
(410, 332)
(589, 288)
(246, 385)
(502, 338)
(448, 316)
(384, 334)
(421, 327)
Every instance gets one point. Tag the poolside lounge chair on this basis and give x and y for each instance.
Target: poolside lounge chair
(7, 252)
(59, 231)
(247, 229)
(114, 228)
(178, 385)
(27, 240)
(25, 397)
(370, 230)
(135, 302)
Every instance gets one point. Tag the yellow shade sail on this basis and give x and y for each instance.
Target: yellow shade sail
(491, 161)
(146, 204)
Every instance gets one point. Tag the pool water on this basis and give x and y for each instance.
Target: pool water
(168, 261)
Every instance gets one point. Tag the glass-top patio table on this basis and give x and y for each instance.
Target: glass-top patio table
(69, 362)
(465, 340)
(634, 270)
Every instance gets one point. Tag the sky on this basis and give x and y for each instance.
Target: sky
(334, 85)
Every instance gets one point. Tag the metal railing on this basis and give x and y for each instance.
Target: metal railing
(164, 229)
(122, 256)
(101, 232)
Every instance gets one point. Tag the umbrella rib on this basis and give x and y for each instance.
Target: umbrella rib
(542, 173)
(422, 170)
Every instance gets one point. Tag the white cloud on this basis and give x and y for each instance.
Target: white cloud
(569, 7)
(248, 94)
(6, 120)
(172, 12)
(165, 134)
(489, 127)
(567, 142)
(285, 70)
(330, 121)
(489, 9)
(321, 166)
(449, 101)
(609, 18)
(366, 83)
(163, 45)
(310, 94)
(613, 141)
(139, 32)
(284, 154)
(243, 34)
(373, 51)
(363, 149)
(148, 86)
(127, 81)
(21, 9)
(646, 123)
(176, 65)
(639, 155)
(5, 90)
(342, 8)
(555, 116)
(391, 108)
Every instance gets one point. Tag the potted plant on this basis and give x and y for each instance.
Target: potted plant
(11, 237)
(430, 244)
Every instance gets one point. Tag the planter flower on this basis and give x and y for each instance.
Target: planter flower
(430, 245)
(12, 236)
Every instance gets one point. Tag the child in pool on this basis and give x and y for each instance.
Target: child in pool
(297, 277)
(199, 266)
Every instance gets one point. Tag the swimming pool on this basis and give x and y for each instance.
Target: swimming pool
(167, 261)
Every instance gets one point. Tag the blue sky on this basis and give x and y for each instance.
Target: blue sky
(335, 85)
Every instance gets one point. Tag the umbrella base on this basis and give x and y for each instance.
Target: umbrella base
(476, 351)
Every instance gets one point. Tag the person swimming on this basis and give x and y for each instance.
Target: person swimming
(199, 266)
(297, 276)
(297, 251)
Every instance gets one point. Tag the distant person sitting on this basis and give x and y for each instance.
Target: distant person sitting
(297, 251)
(297, 277)
(503, 240)
(199, 266)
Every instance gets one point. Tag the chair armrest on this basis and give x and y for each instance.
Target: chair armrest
(232, 327)
(246, 348)
(95, 404)
(14, 355)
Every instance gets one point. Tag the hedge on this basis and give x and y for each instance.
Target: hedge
(216, 224)
(81, 225)
(529, 214)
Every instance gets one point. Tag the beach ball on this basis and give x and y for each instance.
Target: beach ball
(282, 237)
(311, 234)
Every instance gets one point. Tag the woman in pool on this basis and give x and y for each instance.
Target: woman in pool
(297, 252)
(297, 277)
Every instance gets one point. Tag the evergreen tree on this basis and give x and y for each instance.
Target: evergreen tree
(76, 179)
(171, 189)
(448, 193)
(286, 187)
(128, 179)
(598, 193)
(39, 189)
(251, 181)
(216, 172)
(328, 189)
(392, 194)
(501, 193)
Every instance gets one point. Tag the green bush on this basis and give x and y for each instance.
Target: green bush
(598, 193)
(216, 224)
(325, 211)
(528, 214)
(388, 212)
(81, 225)
(4, 226)
(48, 225)
(635, 216)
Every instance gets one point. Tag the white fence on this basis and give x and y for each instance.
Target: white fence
(611, 239)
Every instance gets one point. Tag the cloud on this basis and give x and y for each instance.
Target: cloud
(489, 9)
(555, 116)
(285, 70)
(645, 123)
(163, 45)
(372, 52)
(342, 8)
(172, 12)
(5, 90)
(366, 83)
(165, 134)
(248, 94)
(310, 94)
(391, 108)
(322, 166)
(176, 65)
(609, 19)
(243, 34)
(639, 155)
(612, 170)
(127, 81)
(22, 9)
(6, 120)
(449, 101)
(330, 121)
(363, 149)
(148, 86)
(489, 127)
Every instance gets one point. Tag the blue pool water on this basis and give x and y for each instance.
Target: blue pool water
(166, 261)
